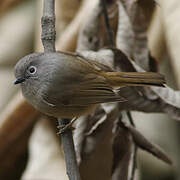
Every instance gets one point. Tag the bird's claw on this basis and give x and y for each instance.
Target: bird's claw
(64, 128)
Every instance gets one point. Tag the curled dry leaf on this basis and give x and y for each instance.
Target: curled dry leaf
(97, 145)
(139, 13)
(105, 56)
(79, 135)
(88, 38)
(168, 95)
(164, 99)
(125, 34)
(146, 145)
(68, 38)
(123, 151)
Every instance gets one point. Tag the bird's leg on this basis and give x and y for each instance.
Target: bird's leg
(62, 129)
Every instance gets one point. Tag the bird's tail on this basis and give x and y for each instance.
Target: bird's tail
(118, 79)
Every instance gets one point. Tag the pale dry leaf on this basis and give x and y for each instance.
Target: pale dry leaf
(140, 25)
(167, 101)
(156, 36)
(122, 147)
(133, 169)
(139, 13)
(150, 105)
(138, 99)
(125, 34)
(97, 146)
(146, 145)
(104, 56)
(68, 38)
(88, 38)
(79, 135)
(100, 119)
(169, 95)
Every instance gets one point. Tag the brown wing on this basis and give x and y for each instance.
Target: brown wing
(84, 88)
(90, 90)
(94, 91)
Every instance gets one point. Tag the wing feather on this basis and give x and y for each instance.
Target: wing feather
(90, 90)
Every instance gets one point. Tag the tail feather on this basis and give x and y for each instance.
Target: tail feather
(118, 79)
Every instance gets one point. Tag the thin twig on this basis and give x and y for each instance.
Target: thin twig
(48, 39)
(112, 43)
(134, 165)
(130, 118)
(108, 27)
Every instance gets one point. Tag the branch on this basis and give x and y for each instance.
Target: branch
(48, 39)
(48, 35)
(69, 151)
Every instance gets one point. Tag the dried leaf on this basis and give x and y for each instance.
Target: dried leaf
(125, 34)
(68, 38)
(146, 145)
(139, 16)
(139, 99)
(88, 38)
(104, 56)
(168, 95)
(79, 135)
(140, 24)
(123, 151)
(97, 146)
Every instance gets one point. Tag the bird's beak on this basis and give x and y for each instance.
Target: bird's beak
(19, 80)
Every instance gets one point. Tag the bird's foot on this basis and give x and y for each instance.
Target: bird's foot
(66, 127)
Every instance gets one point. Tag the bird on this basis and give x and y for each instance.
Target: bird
(66, 85)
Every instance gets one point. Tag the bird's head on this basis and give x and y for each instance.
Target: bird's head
(26, 68)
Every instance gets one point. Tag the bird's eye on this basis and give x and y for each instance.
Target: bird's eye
(32, 69)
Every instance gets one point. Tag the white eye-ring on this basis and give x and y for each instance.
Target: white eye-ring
(32, 69)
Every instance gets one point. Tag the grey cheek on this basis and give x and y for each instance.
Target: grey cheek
(34, 77)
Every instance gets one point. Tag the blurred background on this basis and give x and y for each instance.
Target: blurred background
(34, 153)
